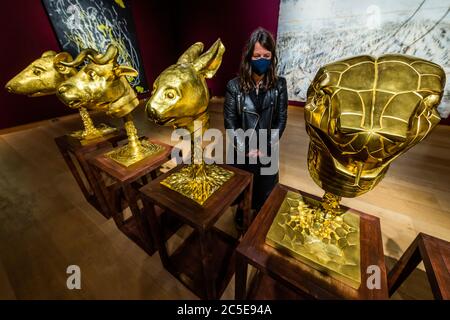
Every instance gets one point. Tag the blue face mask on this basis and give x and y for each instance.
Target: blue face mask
(261, 66)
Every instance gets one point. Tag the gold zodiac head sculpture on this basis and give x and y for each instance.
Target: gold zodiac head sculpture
(180, 94)
(364, 112)
(100, 85)
(43, 75)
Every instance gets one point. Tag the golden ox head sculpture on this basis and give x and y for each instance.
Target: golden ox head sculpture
(43, 75)
(101, 84)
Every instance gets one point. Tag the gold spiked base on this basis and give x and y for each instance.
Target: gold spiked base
(86, 136)
(328, 244)
(129, 154)
(198, 181)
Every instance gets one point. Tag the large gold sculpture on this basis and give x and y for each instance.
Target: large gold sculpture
(180, 98)
(361, 114)
(102, 85)
(43, 76)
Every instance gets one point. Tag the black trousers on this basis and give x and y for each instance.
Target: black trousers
(262, 184)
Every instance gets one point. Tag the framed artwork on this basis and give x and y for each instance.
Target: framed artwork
(81, 24)
(312, 33)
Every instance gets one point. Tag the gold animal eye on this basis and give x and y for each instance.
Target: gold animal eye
(170, 94)
(92, 74)
(37, 71)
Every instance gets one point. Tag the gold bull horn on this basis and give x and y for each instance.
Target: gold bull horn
(109, 56)
(80, 58)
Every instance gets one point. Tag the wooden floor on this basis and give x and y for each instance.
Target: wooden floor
(46, 225)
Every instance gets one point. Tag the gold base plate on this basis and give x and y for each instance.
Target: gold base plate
(337, 255)
(198, 182)
(87, 137)
(127, 155)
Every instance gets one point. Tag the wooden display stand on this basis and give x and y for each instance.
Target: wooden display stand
(76, 156)
(281, 276)
(204, 262)
(435, 254)
(122, 192)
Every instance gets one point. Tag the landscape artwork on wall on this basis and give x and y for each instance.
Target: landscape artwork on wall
(312, 33)
(81, 24)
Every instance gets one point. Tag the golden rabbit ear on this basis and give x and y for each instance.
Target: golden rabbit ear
(209, 62)
(191, 53)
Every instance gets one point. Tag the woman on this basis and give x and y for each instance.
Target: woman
(257, 100)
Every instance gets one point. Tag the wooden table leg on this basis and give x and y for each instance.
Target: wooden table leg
(205, 254)
(247, 206)
(240, 278)
(144, 231)
(69, 161)
(110, 201)
(157, 232)
(403, 268)
(94, 183)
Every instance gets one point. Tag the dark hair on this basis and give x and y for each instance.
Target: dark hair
(266, 40)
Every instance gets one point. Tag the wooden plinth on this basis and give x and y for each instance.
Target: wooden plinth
(304, 280)
(205, 261)
(123, 192)
(76, 156)
(435, 254)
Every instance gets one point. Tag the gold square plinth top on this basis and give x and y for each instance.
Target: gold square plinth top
(337, 255)
(198, 182)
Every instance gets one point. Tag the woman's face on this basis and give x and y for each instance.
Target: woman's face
(260, 52)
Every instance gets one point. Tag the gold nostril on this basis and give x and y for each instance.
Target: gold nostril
(9, 89)
(62, 89)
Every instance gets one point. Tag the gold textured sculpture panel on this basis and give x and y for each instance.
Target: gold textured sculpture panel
(102, 85)
(43, 76)
(180, 98)
(361, 114)
(298, 225)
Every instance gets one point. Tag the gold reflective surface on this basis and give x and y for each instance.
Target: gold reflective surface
(180, 99)
(330, 245)
(102, 85)
(135, 150)
(90, 132)
(43, 76)
(361, 114)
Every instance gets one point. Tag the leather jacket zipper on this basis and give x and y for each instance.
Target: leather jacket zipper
(256, 123)
(271, 113)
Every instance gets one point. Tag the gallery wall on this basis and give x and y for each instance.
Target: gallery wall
(27, 32)
(233, 22)
(164, 30)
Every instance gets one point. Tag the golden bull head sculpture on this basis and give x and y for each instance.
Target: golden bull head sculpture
(180, 98)
(362, 113)
(102, 85)
(43, 76)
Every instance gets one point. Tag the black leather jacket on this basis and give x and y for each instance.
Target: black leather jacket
(240, 111)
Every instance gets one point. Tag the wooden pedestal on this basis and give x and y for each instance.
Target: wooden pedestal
(119, 186)
(284, 277)
(77, 155)
(435, 254)
(205, 261)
